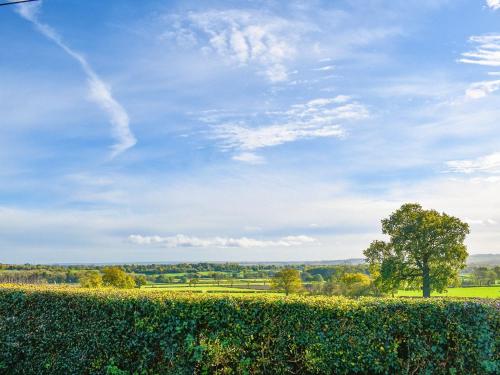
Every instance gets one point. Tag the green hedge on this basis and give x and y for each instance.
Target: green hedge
(46, 330)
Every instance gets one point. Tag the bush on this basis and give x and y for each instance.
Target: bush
(48, 330)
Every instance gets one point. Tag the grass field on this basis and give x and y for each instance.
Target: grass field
(480, 291)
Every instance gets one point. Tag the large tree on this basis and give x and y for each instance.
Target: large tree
(426, 249)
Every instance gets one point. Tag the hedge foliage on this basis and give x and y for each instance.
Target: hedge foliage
(49, 330)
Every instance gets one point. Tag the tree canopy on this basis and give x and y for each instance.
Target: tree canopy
(91, 279)
(287, 280)
(426, 249)
(117, 277)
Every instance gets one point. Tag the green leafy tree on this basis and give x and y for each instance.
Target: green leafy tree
(195, 280)
(497, 271)
(426, 249)
(484, 275)
(318, 278)
(92, 279)
(230, 280)
(117, 277)
(287, 280)
(306, 276)
(140, 280)
(354, 284)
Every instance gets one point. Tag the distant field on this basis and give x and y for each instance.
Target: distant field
(480, 291)
(201, 288)
(483, 292)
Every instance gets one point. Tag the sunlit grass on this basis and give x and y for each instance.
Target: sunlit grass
(481, 291)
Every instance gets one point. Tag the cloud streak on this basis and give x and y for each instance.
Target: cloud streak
(487, 164)
(318, 118)
(249, 157)
(100, 92)
(487, 53)
(181, 240)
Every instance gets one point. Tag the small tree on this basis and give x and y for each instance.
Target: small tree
(193, 281)
(287, 280)
(117, 277)
(140, 280)
(426, 249)
(92, 279)
(354, 284)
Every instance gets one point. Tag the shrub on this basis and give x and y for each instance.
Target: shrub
(49, 330)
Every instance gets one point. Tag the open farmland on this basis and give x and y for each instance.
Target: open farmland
(208, 287)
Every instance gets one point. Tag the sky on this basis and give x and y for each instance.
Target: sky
(136, 131)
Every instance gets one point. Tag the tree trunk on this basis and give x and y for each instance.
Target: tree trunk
(426, 281)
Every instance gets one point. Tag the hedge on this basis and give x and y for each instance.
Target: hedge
(53, 330)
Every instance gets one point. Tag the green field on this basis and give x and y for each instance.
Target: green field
(200, 288)
(480, 291)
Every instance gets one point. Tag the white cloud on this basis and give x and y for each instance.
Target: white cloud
(345, 220)
(315, 119)
(325, 68)
(249, 157)
(100, 92)
(493, 4)
(181, 240)
(242, 38)
(488, 163)
(487, 53)
(479, 90)
(480, 221)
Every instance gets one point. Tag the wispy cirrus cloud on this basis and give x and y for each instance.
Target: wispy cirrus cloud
(181, 240)
(479, 90)
(317, 118)
(486, 164)
(100, 92)
(241, 37)
(486, 53)
(249, 157)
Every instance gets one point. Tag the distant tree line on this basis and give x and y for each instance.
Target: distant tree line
(313, 277)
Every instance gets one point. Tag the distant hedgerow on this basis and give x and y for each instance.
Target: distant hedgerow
(47, 330)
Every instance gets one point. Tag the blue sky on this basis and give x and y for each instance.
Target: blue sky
(242, 130)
